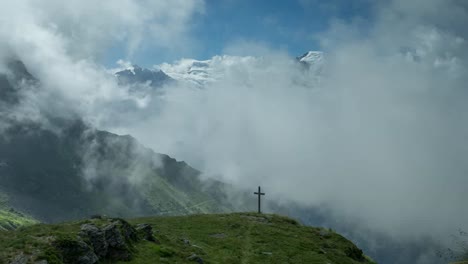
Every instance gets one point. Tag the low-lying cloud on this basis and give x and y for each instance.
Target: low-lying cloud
(380, 140)
(61, 43)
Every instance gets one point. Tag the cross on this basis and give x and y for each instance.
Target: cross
(259, 193)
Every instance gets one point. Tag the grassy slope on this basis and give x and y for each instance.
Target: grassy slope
(11, 219)
(167, 199)
(82, 172)
(242, 238)
(224, 238)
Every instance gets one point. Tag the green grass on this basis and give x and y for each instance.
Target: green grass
(10, 219)
(223, 238)
(241, 238)
(36, 239)
(170, 200)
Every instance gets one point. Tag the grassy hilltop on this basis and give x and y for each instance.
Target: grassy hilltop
(223, 238)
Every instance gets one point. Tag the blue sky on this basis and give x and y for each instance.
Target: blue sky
(287, 25)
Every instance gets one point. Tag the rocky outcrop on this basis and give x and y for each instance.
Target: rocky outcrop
(355, 253)
(111, 241)
(146, 232)
(195, 258)
(118, 248)
(75, 251)
(96, 238)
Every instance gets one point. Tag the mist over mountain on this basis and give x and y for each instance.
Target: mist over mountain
(61, 168)
(200, 73)
(69, 170)
(137, 75)
(366, 136)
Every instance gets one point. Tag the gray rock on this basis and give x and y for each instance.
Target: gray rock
(195, 258)
(147, 232)
(20, 259)
(76, 251)
(96, 237)
(129, 233)
(117, 248)
(113, 236)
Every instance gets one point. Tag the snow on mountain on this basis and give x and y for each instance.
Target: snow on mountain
(137, 75)
(311, 57)
(201, 72)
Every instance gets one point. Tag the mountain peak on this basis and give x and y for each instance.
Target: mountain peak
(136, 68)
(138, 75)
(14, 78)
(311, 56)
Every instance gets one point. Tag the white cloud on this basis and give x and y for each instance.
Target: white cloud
(61, 42)
(88, 27)
(382, 141)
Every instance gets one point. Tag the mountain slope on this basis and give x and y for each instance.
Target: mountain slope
(61, 168)
(311, 57)
(200, 73)
(11, 219)
(227, 238)
(84, 171)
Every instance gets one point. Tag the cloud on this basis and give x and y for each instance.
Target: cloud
(243, 47)
(61, 43)
(381, 140)
(87, 28)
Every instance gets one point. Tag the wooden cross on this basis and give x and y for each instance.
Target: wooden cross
(259, 193)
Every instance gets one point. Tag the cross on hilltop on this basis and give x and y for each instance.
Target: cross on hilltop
(259, 193)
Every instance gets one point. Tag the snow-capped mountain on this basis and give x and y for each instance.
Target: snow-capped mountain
(201, 72)
(313, 61)
(311, 57)
(138, 75)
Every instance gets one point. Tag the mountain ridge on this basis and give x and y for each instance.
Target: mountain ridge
(202, 72)
(68, 169)
(137, 75)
